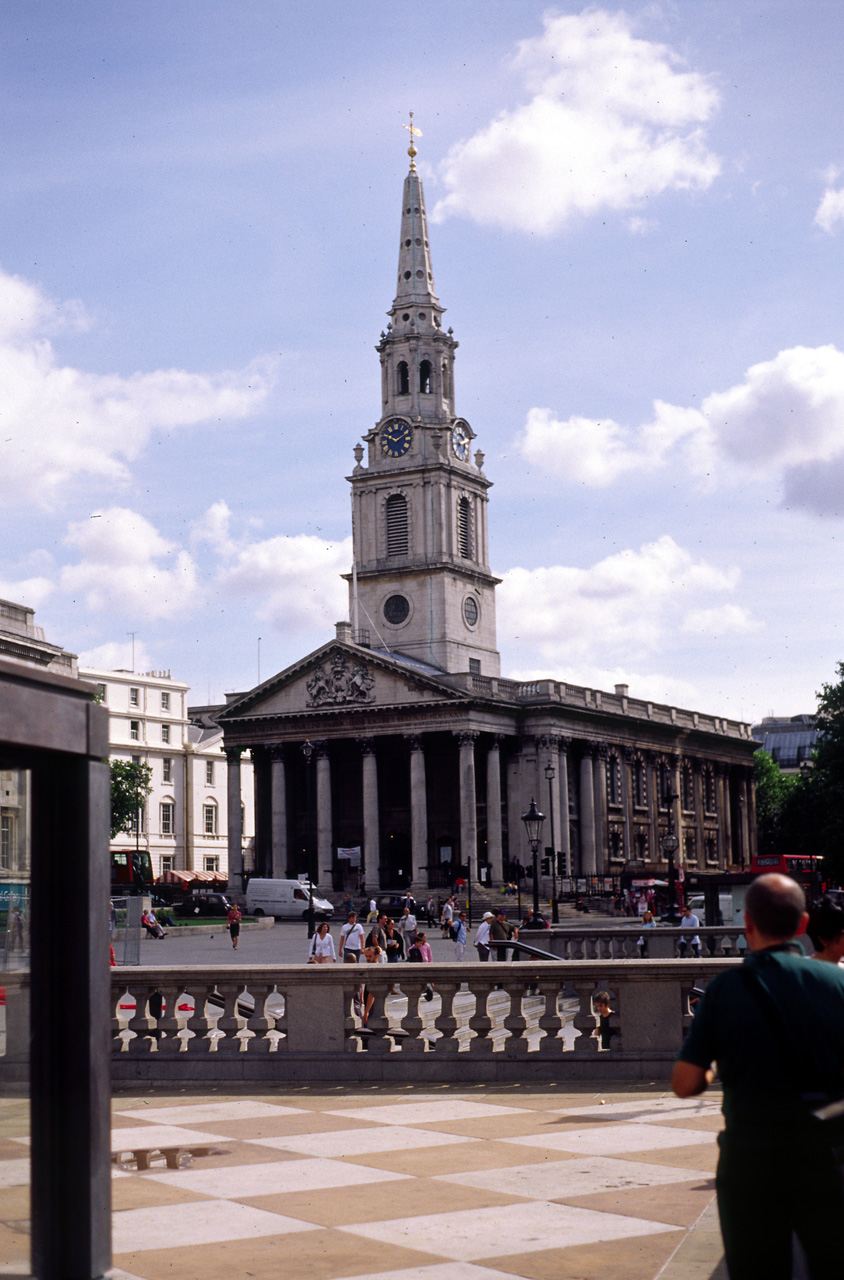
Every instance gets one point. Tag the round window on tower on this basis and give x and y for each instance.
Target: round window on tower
(396, 609)
(470, 611)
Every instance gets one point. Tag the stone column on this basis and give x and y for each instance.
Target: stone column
(728, 853)
(371, 857)
(599, 769)
(494, 842)
(468, 810)
(234, 819)
(564, 829)
(674, 764)
(751, 814)
(324, 858)
(626, 760)
(278, 813)
(418, 814)
(588, 864)
(744, 818)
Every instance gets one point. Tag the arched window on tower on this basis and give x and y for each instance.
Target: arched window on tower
(425, 377)
(465, 539)
(402, 379)
(396, 515)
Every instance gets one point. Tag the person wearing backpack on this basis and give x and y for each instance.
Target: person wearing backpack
(458, 933)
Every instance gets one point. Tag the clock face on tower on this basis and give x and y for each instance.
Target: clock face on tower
(460, 441)
(396, 438)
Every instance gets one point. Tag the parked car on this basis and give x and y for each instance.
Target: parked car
(204, 904)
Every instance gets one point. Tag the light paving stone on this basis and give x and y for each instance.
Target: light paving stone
(649, 1110)
(424, 1112)
(14, 1173)
(195, 1224)
(521, 1228)
(146, 1137)
(578, 1176)
(267, 1179)
(208, 1112)
(353, 1142)
(614, 1138)
(438, 1271)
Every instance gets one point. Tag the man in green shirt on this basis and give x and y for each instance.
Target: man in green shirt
(775, 1027)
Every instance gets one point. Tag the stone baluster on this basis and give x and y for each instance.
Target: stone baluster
(550, 1020)
(379, 1041)
(169, 1024)
(141, 1021)
(516, 1024)
(480, 1044)
(584, 1019)
(412, 1022)
(260, 1024)
(229, 1021)
(445, 1022)
(118, 1023)
(199, 1022)
(351, 1022)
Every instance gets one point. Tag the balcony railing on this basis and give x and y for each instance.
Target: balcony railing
(443, 1022)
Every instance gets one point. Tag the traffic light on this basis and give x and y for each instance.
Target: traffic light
(546, 866)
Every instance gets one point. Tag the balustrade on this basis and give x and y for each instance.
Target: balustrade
(631, 942)
(503, 1021)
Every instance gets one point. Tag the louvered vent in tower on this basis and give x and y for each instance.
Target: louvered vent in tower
(396, 509)
(465, 541)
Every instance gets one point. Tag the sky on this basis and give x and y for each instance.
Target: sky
(636, 220)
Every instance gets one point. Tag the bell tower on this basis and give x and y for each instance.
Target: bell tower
(421, 583)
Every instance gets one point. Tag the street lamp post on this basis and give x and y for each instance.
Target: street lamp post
(308, 752)
(550, 774)
(533, 821)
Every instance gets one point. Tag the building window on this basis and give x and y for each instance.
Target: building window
(165, 733)
(168, 819)
(167, 769)
(212, 863)
(640, 846)
(134, 825)
(7, 837)
(689, 847)
(613, 780)
(640, 784)
(165, 702)
(135, 730)
(101, 692)
(709, 803)
(396, 513)
(209, 773)
(688, 788)
(425, 377)
(616, 846)
(209, 812)
(402, 379)
(711, 850)
(167, 861)
(134, 697)
(465, 540)
(474, 666)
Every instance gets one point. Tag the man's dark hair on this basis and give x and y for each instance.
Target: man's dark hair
(775, 904)
(826, 922)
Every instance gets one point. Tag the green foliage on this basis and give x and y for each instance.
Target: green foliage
(828, 775)
(130, 785)
(774, 795)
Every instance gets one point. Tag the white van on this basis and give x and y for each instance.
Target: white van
(285, 899)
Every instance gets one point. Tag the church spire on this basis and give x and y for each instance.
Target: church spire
(415, 289)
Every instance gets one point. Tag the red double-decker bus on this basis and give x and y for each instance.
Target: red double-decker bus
(806, 869)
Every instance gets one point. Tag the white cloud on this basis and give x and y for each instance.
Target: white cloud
(630, 602)
(31, 592)
(213, 530)
(295, 580)
(612, 121)
(59, 424)
(117, 655)
(784, 422)
(128, 566)
(830, 210)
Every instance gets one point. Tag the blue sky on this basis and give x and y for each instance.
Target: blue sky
(637, 225)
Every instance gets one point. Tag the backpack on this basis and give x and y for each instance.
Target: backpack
(455, 932)
(414, 955)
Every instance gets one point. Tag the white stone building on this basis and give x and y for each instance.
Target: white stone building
(184, 824)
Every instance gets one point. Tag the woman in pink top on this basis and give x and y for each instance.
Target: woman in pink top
(424, 948)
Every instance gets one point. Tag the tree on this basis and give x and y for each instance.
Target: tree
(774, 796)
(130, 785)
(827, 776)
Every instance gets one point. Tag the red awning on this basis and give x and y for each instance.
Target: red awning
(185, 878)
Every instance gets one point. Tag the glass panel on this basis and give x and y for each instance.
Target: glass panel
(15, 855)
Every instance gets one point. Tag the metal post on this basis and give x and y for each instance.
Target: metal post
(550, 774)
(469, 894)
(308, 752)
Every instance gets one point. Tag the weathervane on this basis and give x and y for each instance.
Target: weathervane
(414, 132)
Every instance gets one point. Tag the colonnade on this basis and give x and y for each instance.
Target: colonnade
(597, 829)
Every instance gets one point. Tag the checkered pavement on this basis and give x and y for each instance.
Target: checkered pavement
(440, 1184)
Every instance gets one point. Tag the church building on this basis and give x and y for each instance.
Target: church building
(396, 752)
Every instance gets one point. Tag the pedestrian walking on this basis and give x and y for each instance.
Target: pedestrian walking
(459, 935)
(501, 931)
(447, 917)
(321, 950)
(351, 939)
(482, 936)
(693, 922)
(233, 920)
(775, 1027)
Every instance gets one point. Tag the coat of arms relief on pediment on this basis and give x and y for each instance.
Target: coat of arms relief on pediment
(340, 681)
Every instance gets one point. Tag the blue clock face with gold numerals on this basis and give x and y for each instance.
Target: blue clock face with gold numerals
(396, 438)
(460, 440)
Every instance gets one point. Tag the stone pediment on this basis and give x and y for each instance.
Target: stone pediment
(339, 677)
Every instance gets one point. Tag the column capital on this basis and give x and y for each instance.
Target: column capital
(321, 750)
(498, 740)
(276, 752)
(600, 750)
(546, 742)
(563, 745)
(366, 745)
(414, 741)
(466, 737)
(629, 754)
(233, 754)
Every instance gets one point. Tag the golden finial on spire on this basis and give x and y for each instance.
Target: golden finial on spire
(415, 132)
